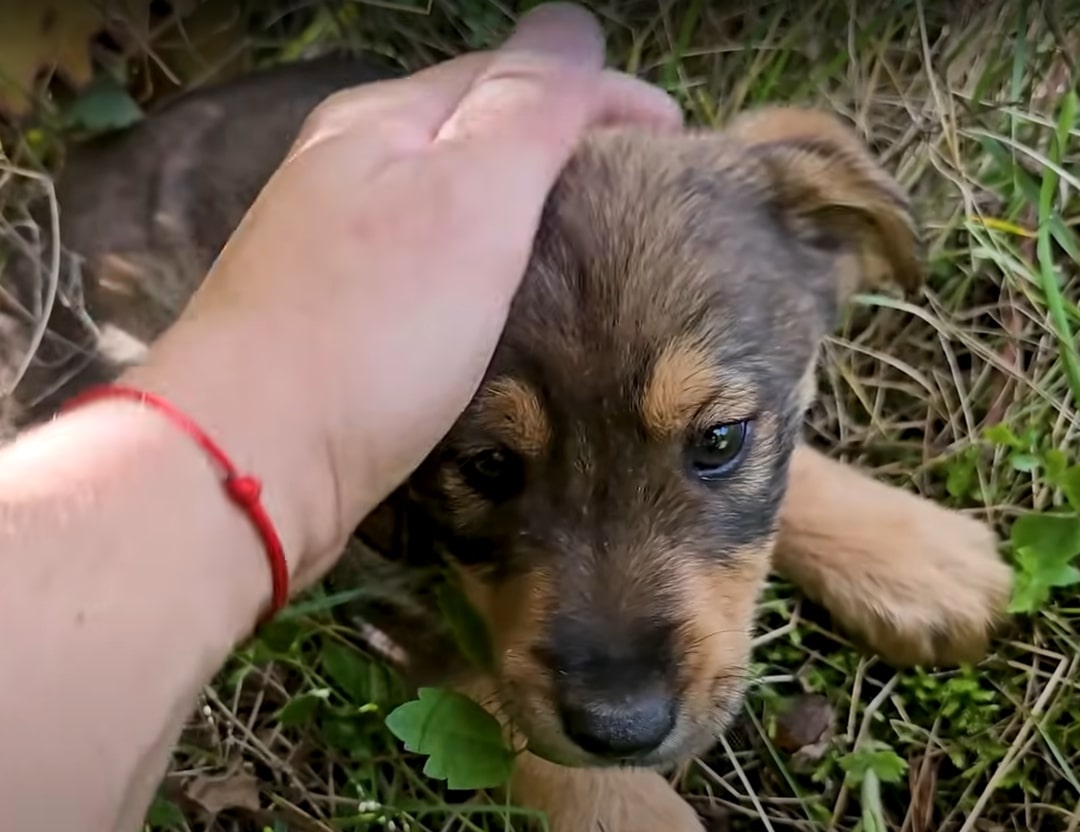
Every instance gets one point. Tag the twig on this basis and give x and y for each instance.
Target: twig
(746, 785)
(54, 271)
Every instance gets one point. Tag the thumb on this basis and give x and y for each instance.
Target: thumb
(544, 75)
(535, 94)
(525, 112)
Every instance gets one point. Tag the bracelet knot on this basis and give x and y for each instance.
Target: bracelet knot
(244, 490)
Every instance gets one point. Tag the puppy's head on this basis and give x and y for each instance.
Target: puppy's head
(610, 497)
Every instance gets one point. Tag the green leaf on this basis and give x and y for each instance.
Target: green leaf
(384, 688)
(103, 106)
(463, 742)
(874, 757)
(467, 626)
(349, 669)
(1063, 575)
(1001, 434)
(279, 635)
(164, 814)
(300, 709)
(320, 602)
(1055, 538)
(960, 478)
(1025, 463)
(1070, 486)
(1037, 573)
(1056, 463)
(1029, 593)
(873, 816)
(348, 733)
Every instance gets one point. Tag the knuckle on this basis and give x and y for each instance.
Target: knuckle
(371, 112)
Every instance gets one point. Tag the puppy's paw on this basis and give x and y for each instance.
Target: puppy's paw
(915, 582)
(601, 800)
(934, 594)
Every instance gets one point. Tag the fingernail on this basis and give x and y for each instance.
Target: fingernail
(560, 30)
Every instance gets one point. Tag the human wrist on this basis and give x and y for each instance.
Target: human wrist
(163, 525)
(251, 408)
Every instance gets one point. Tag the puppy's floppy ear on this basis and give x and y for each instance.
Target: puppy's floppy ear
(831, 192)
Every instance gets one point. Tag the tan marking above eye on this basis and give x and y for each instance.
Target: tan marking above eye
(513, 412)
(681, 381)
(684, 381)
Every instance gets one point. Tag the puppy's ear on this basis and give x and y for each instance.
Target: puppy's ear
(831, 192)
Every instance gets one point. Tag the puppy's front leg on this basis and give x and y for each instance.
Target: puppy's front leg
(588, 799)
(919, 583)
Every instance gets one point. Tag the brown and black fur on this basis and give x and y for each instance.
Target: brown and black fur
(678, 282)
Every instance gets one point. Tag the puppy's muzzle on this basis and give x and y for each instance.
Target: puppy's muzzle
(619, 725)
(614, 684)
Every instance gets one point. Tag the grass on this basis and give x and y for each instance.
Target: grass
(968, 394)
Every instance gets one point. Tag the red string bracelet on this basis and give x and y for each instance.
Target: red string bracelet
(243, 489)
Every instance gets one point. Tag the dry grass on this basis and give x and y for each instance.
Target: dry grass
(964, 105)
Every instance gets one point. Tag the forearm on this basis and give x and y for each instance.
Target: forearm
(127, 587)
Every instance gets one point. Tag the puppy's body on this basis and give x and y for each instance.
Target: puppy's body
(613, 498)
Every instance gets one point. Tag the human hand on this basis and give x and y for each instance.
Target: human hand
(352, 315)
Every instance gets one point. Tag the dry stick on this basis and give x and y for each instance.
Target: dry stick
(746, 785)
(54, 271)
(924, 764)
(720, 781)
(945, 107)
(739, 809)
(779, 632)
(1074, 821)
(273, 760)
(1015, 751)
(1033, 674)
(298, 816)
(856, 697)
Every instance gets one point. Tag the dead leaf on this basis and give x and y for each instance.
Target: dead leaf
(237, 789)
(714, 817)
(805, 728)
(53, 35)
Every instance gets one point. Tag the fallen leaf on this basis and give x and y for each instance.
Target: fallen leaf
(714, 816)
(237, 789)
(805, 728)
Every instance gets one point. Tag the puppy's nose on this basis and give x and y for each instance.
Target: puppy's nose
(619, 727)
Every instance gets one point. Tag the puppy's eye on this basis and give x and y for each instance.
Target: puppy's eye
(717, 450)
(495, 472)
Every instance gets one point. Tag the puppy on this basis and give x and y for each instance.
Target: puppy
(615, 496)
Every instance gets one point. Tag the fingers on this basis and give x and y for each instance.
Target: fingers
(540, 90)
(384, 120)
(542, 79)
(537, 95)
(623, 99)
(527, 109)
